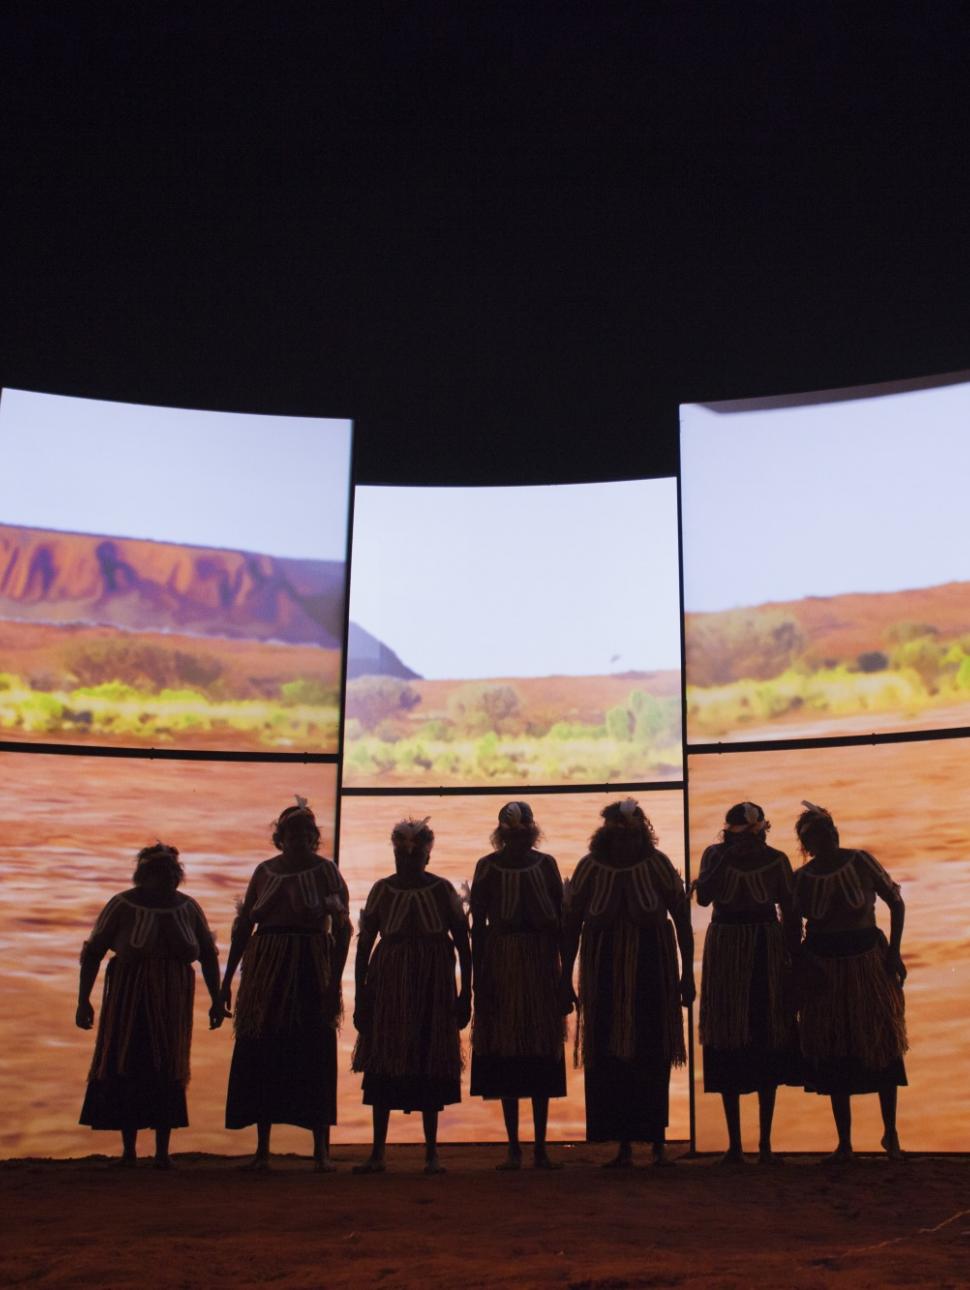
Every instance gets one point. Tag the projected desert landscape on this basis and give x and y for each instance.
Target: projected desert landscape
(121, 641)
(535, 730)
(825, 665)
(907, 805)
(69, 828)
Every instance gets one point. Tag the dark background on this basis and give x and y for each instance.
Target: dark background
(506, 238)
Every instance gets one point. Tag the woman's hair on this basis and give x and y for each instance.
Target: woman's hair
(516, 827)
(160, 863)
(410, 836)
(814, 828)
(745, 820)
(299, 814)
(625, 828)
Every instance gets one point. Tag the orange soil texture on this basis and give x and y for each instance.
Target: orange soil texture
(69, 829)
(906, 804)
(207, 1225)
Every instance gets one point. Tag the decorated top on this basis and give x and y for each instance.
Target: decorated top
(429, 910)
(599, 894)
(744, 879)
(133, 931)
(846, 895)
(312, 897)
(517, 898)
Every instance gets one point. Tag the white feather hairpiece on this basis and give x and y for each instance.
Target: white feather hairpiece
(751, 813)
(810, 806)
(628, 808)
(408, 830)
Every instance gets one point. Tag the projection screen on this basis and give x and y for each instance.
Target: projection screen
(70, 827)
(905, 805)
(462, 825)
(514, 636)
(826, 563)
(170, 577)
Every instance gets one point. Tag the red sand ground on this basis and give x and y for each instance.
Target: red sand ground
(805, 1226)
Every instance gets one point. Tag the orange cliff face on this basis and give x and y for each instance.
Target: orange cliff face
(52, 577)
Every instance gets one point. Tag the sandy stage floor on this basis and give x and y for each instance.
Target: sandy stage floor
(206, 1225)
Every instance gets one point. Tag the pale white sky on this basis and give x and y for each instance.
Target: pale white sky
(866, 494)
(267, 484)
(468, 583)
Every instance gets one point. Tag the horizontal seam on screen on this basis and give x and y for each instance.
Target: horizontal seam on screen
(829, 741)
(509, 790)
(167, 754)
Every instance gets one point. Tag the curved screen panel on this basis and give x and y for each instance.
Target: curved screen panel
(514, 636)
(462, 825)
(826, 563)
(70, 828)
(170, 577)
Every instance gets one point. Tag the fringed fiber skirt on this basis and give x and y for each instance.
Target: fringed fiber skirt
(518, 1032)
(410, 1048)
(853, 1023)
(141, 1057)
(284, 1064)
(747, 1020)
(630, 1029)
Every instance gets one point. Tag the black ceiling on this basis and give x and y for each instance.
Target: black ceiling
(506, 238)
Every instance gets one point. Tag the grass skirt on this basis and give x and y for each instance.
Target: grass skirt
(630, 1030)
(284, 1064)
(410, 1050)
(747, 1021)
(141, 1057)
(852, 1024)
(518, 1031)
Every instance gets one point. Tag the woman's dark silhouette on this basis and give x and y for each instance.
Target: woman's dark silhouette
(292, 934)
(407, 1012)
(747, 1023)
(630, 1029)
(141, 1057)
(518, 1031)
(852, 1023)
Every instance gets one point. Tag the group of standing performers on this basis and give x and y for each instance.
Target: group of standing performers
(826, 1012)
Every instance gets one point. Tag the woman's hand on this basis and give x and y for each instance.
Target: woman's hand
(225, 998)
(463, 1009)
(567, 996)
(895, 965)
(688, 991)
(217, 1013)
(84, 1017)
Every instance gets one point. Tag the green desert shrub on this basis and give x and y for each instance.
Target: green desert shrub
(310, 692)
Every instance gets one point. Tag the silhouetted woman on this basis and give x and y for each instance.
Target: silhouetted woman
(518, 1030)
(141, 1056)
(407, 1012)
(747, 1022)
(630, 1030)
(852, 1023)
(292, 933)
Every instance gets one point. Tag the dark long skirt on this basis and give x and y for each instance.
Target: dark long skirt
(141, 1057)
(627, 1098)
(518, 1033)
(410, 1050)
(284, 1064)
(743, 965)
(852, 1025)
